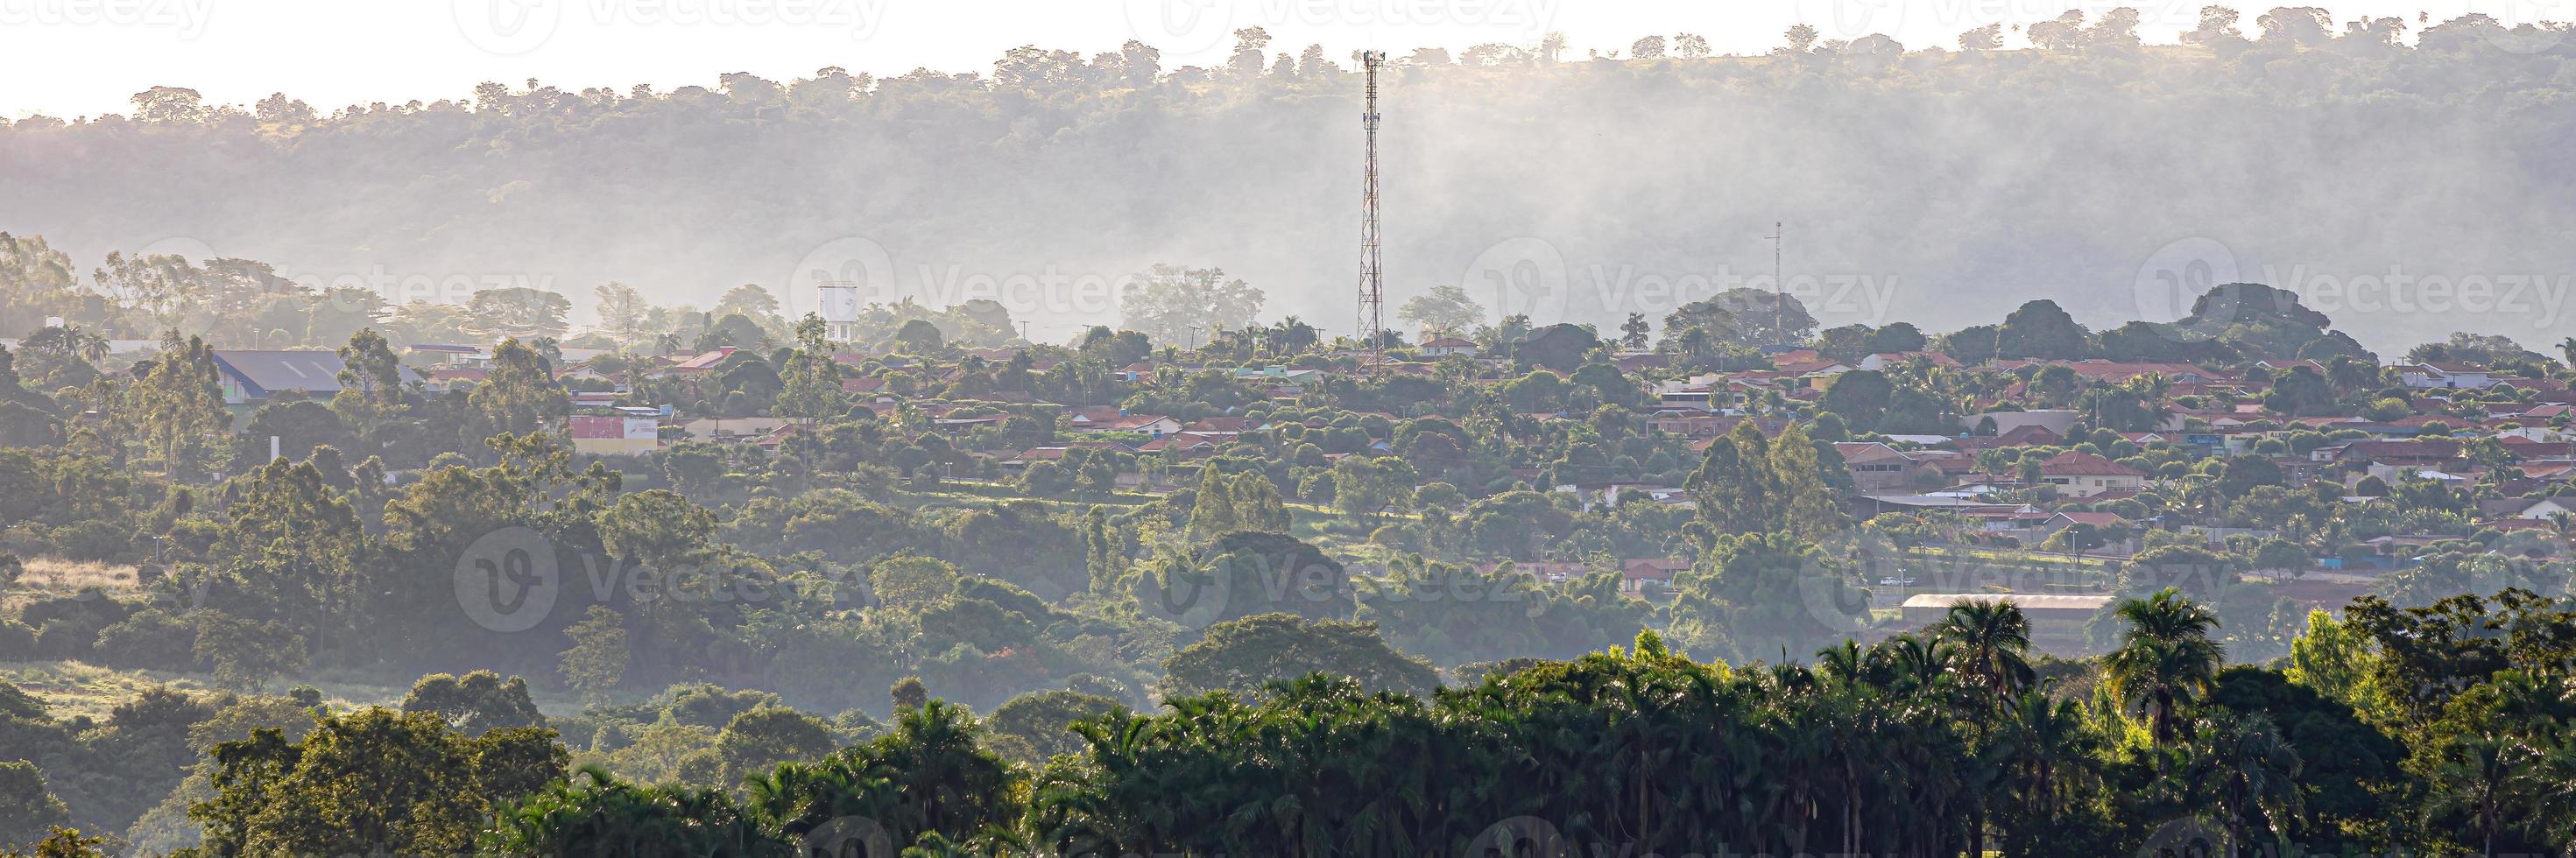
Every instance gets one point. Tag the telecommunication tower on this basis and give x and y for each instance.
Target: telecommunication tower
(1372, 304)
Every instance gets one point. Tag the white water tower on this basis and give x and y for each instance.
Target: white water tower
(840, 310)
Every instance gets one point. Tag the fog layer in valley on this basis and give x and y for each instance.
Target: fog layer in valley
(2406, 185)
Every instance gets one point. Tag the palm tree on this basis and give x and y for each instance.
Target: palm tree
(1916, 666)
(2166, 661)
(2243, 765)
(1993, 637)
(2046, 755)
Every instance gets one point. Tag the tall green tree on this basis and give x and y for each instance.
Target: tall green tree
(2165, 662)
(369, 782)
(810, 382)
(1173, 305)
(1247, 654)
(371, 393)
(597, 660)
(517, 313)
(1445, 312)
(176, 405)
(520, 395)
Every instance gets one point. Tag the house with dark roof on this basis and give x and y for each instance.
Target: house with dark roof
(249, 377)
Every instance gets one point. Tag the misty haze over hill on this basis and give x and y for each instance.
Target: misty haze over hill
(2406, 190)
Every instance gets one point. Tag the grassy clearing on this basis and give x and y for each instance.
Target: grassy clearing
(47, 577)
(71, 688)
(962, 493)
(74, 688)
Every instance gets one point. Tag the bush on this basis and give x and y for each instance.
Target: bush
(16, 637)
(92, 540)
(150, 638)
(245, 655)
(68, 627)
(65, 639)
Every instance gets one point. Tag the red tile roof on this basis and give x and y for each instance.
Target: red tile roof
(2074, 463)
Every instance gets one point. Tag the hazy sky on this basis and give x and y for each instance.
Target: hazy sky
(84, 57)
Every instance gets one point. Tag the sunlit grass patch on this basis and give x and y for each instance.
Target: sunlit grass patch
(75, 688)
(47, 576)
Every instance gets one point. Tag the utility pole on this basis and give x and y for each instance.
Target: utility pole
(1372, 303)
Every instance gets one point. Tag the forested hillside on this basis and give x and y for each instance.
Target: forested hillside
(1957, 181)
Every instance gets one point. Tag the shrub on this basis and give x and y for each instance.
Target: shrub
(150, 638)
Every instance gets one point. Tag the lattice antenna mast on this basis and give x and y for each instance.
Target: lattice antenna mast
(1372, 304)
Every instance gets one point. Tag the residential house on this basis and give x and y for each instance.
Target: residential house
(619, 431)
(1649, 576)
(2058, 421)
(1182, 446)
(1882, 360)
(699, 363)
(1150, 424)
(2445, 375)
(731, 428)
(248, 377)
(2527, 509)
(1446, 346)
(1876, 468)
(2083, 475)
